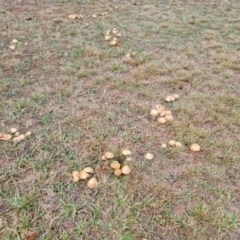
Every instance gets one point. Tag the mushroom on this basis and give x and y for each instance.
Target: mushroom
(160, 108)
(126, 152)
(169, 117)
(103, 157)
(75, 176)
(169, 98)
(83, 175)
(148, 156)
(13, 130)
(161, 120)
(14, 41)
(88, 170)
(113, 43)
(16, 139)
(168, 112)
(178, 144)
(128, 55)
(107, 38)
(126, 169)
(153, 113)
(109, 155)
(117, 172)
(164, 145)
(92, 182)
(16, 134)
(172, 143)
(115, 165)
(94, 16)
(5, 136)
(28, 134)
(195, 147)
(22, 136)
(12, 47)
(129, 159)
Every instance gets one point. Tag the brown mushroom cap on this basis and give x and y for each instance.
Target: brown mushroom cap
(5, 136)
(126, 152)
(195, 147)
(153, 113)
(88, 170)
(169, 117)
(115, 165)
(109, 155)
(83, 175)
(75, 176)
(148, 156)
(92, 182)
(126, 169)
(169, 98)
(117, 172)
(161, 120)
(160, 108)
(172, 143)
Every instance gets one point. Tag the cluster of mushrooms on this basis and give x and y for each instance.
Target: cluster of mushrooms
(15, 135)
(115, 40)
(160, 113)
(85, 174)
(13, 44)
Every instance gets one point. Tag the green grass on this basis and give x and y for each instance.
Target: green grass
(80, 98)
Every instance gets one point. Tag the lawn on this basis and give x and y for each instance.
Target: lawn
(81, 97)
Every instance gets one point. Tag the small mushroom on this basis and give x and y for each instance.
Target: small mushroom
(12, 47)
(22, 136)
(153, 113)
(14, 41)
(172, 143)
(126, 169)
(169, 117)
(168, 112)
(128, 159)
(16, 134)
(75, 176)
(119, 34)
(113, 43)
(161, 120)
(160, 108)
(83, 175)
(13, 130)
(28, 134)
(92, 182)
(115, 165)
(5, 136)
(117, 172)
(178, 144)
(164, 145)
(195, 147)
(88, 170)
(94, 16)
(109, 155)
(103, 158)
(128, 55)
(126, 152)
(148, 156)
(107, 38)
(169, 98)
(16, 139)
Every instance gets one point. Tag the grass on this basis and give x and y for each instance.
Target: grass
(80, 97)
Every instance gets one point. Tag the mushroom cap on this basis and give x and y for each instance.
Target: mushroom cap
(103, 157)
(92, 182)
(129, 159)
(88, 170)
(115, 165)
(172, 143)
(178, 144)
(126, 169)
(153, 112)
(12, 47)
(126, 152)
(160, 108)
(168, 112)
(75, 176)
(128, 55)
(107, 38)
(22, 136)
(83, 175)
(14, 41)
(169, 98)
(195, 147)
(169, 117)
(16, 134)
(148, 156)
(28, 134)
(113, 43)
(117, 172)
(16, 139)
(164, 145)
(5, 136)
(161, 120)
(109, 155)
(13, 130)
(94, 16)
